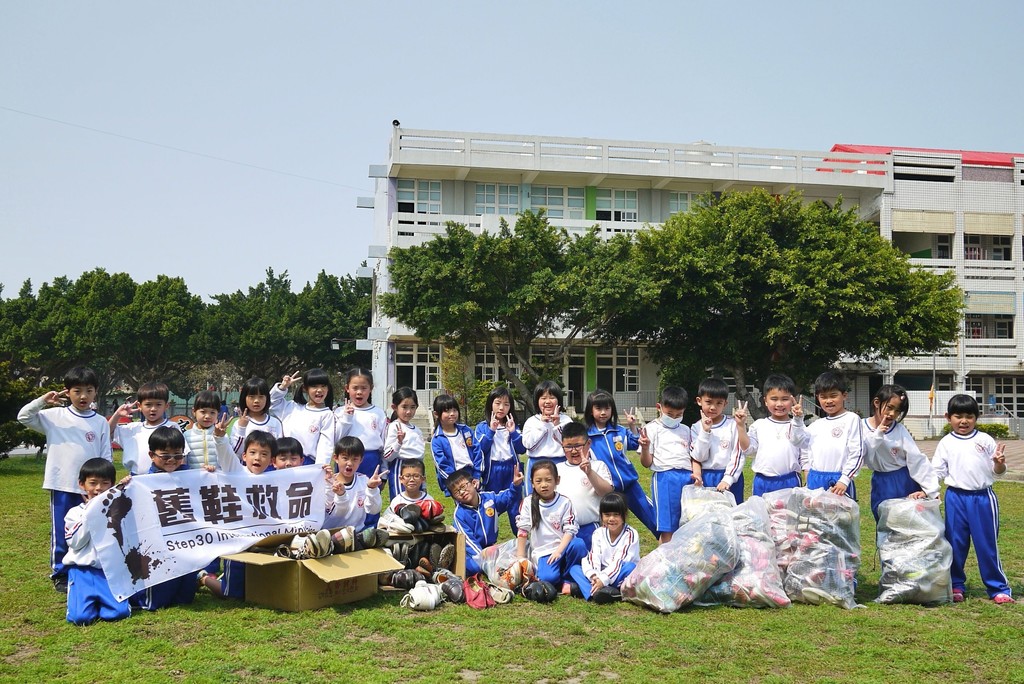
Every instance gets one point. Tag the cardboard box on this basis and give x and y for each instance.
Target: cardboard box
(449, 536)
(293, 585)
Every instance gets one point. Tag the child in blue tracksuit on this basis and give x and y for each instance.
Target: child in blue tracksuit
(476, 513)
(500, 444)
(609, 442)
(167, 451)
(452, 443)
(969, 460)
(89, 595)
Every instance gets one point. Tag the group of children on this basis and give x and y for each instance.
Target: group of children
(572, 523)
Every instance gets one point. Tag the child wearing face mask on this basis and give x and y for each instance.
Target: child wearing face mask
(665, 449)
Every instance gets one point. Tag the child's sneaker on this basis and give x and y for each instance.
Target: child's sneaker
(958, 596)
(1003, 598)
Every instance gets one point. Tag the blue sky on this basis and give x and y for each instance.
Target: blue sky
(308, 90)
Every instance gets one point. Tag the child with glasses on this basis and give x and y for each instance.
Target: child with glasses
(583, 480)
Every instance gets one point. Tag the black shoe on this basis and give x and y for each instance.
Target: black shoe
(606, 595)
(60, 583)
(574, 590)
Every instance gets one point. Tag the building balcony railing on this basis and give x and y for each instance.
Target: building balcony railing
(986, 348)
(665, 160)
(408, 229)
(973, 269)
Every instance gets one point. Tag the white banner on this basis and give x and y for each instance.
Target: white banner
(162, 526)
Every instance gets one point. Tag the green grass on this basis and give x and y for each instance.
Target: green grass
(377, 640)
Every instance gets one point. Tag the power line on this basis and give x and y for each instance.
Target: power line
(180, 149)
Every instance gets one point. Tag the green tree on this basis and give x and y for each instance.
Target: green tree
(511, 289)
(334, 308)
(754, 283)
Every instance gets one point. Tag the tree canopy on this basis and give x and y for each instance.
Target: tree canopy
(753, 283)
(506, 290)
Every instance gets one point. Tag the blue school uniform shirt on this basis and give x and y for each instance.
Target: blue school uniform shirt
(610, 446)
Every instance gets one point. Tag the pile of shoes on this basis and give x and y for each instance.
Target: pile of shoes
(304, 546)
(419, 517)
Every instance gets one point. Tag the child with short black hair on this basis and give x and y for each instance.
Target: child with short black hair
(719, 443)
(614, 554)
(477, 512)
(584, 480)
(665, 449)
(835, 447)
(778, 438)
(202, 443)
(969, 459)
(74, 433)
(351, 496)
(308, 418)
(254, 400)
(452, 443)
(610, 444)
(403, 439)
(89, 595)
(167, 453)
(151, 401)
(259, 451)
(411, 476)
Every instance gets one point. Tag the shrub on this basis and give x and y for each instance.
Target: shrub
(996, 430)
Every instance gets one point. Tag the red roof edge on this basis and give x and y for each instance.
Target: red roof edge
(968, 157)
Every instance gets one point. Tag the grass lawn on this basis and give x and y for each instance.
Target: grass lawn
(569, 640)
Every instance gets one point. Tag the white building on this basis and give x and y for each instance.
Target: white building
(948, 210)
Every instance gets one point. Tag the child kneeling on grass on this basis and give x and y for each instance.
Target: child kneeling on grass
(614, 553)
(476, 513)
(89, 595)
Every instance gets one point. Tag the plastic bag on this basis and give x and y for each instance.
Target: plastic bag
(818, 544)
(495, 560)
(695, 500)
(914, 553)
(756, 580)
(679, 572)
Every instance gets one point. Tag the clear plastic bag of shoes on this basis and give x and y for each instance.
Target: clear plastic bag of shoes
(678, 573)
(914, 553)
(817, 537)
(756, 581)
(495, 560)
(695, 500)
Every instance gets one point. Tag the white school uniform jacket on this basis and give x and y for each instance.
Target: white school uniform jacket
(966, 462)
(368, 423)
(606, 557)
(574, 484)
(835, 445)
(719, 449)
(777, 444)
(134, 440)
(401, 499)
(670, 447)
(557, 517)
(411, 446)
(544, 439)
(271, 424)
(81, 552)
(352, 507)
(313, 427)
(72, 438)
(886, 451)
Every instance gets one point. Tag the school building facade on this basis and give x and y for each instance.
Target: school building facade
(948, 210)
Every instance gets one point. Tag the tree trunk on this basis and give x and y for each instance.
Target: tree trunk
(754, 409)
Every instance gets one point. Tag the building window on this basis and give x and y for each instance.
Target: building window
(563, 203)
(616, 205)
(418, 366)
(1004, 326)
(1009, 391)
(1002, 249)
(973, 385)
(679, 201)
(944, 246)
(418, 196)
(627, 369)
(975, 328)
(497, 198)
(972, 247)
